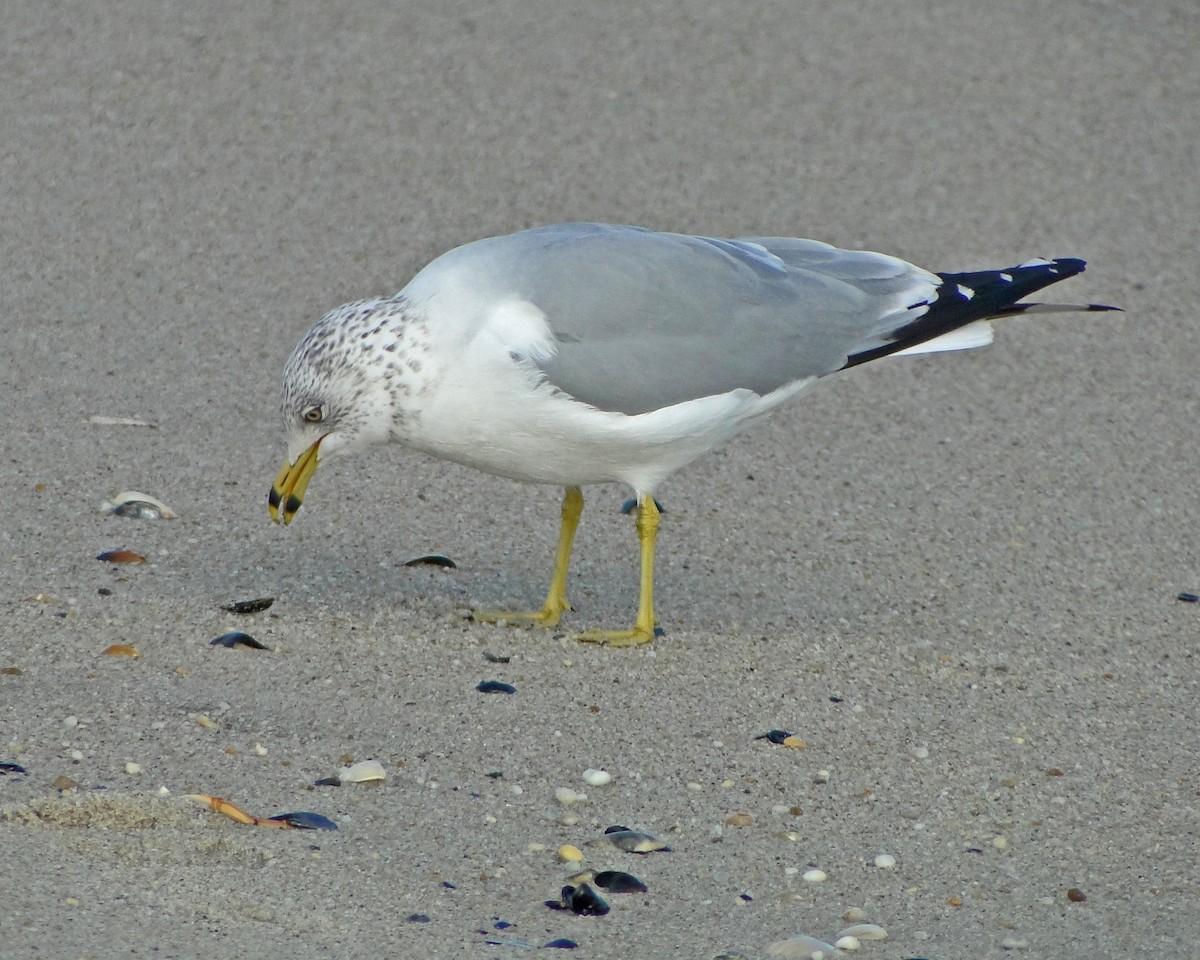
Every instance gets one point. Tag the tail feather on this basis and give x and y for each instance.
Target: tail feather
(968, 298)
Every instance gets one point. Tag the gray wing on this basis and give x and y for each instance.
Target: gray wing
(644, 320)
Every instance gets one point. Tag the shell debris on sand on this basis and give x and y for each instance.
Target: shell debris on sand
(365, 771)
(802, 947)
(631, 841)
(254, 605)
(863, 931)
(597, 778)
(140, 506)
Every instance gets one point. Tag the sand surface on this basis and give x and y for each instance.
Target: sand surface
(954, 577)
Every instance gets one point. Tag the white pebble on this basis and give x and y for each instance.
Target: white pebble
(566, 796)
(517, 789)
(847, 942)
(885, 861)
(855, 915)
(865, 931)
(76, 755)
(790, 871)
(163, 791)
(569, 819)
(596, 778)
(260, 749)
(133, 768)
(920, 752)
(71, 721)
(1013, 943)
(815, 876)
(693, 785)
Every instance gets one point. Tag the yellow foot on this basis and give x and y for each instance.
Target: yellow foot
(619, 638)
(546, 617)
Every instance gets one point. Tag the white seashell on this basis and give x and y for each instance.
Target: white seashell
(802, 947)
(566, 796)
(362, 772)
(847, 943)
(596, 778)
(885, 861)
(815, 876)
(133, 769)
(864, 931)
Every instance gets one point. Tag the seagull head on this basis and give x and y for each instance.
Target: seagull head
(337, 395)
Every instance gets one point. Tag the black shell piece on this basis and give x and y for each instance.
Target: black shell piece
(7, 768)
(1188, 597)
(495, 686)
(495, 657)
(328, 782)
(418, 918)
(305, 820)
(618, 881)
(584, 900)
(432, 560)
(257, 605)
(562, 943)
(775, 736)
(235, 638)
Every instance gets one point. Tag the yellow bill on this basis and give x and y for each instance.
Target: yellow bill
(287, 492)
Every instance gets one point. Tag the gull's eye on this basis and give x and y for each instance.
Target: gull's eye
(313, 415)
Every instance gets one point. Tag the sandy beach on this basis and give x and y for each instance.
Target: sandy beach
(955, 578)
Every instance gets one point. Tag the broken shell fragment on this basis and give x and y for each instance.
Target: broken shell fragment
(140, 506)
(631, 841)
(864, 931)
(121, 650)
(618, 881)
(362, 772)
(235, 638)
(597, 778)
(495, 657)
(256, 605)
(495, 686)
(301, 820)
(7, 768)
(789, 740)
(583, 900)
(802, 947)
(432, 560)
(121, 556)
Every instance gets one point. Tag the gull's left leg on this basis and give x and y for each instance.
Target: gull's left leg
(644, 625)
(556, 599)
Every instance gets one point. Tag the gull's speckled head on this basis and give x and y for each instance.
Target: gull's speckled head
(341, 390)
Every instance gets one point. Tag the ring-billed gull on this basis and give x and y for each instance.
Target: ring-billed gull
(588, 353)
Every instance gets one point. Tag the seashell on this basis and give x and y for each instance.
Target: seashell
(121, 556)
(864, 931)
(597, 778)
(1187, 596)
(106, 421)
(304, 820)
(802, 947)
(121, 650)
(815, 876)
(617, 881)
(885, 861)
(11, 671)
(235, 638)
(569, 853)
(140, 506)
(7, 768)
(739, 819)
(249, 606)
(631, 841)
(560, 943)
(495, 686)
(847, 943)
(63, 783)
(584, 900)
(362, 772)
(495, 657)
(432, 560)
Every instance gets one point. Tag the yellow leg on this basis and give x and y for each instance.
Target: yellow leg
(556, 599)
(643, 627)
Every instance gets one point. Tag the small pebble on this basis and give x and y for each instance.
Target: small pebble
(1075, 895)
(566, 796)
(257, 605)
(815, 876)
(739, 819)
(920, 752)
(133, 769)
(597, 778)
(847, 942)
(1013, 943)
(1188, 597)
(77, 755)
(855, 915)
(205, 722)
(121, 650)
(568, 853)
(64, 783)
(260, 750)
(885, 861)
